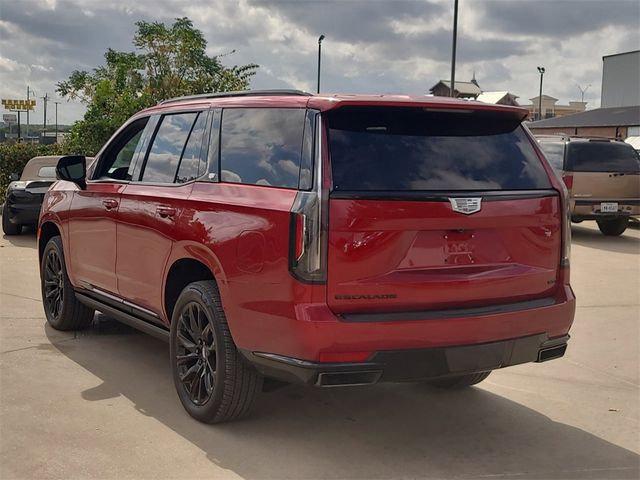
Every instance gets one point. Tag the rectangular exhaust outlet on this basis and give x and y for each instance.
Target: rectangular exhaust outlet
(348, 379)
(551, 353)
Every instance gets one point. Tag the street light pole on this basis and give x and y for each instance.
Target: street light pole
(453, 48)
(541, 70)
(57, 103)
(44, 123)
(320, 38)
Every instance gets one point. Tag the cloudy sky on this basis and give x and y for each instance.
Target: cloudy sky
(382, 46)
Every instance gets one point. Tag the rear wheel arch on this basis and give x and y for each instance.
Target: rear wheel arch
(181, 273)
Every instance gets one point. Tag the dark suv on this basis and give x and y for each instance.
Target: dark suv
(325, 240)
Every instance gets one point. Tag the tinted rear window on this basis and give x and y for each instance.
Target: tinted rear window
(409, 149)
(554, 152)
(601, 157)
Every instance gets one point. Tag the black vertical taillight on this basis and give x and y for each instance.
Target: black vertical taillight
(309, 224)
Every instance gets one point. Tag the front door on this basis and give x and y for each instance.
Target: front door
(92, 225)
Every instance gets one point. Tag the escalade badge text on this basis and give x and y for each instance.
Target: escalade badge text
(466, 205)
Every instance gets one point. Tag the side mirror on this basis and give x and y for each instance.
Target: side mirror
(14, 177)
(73, 168)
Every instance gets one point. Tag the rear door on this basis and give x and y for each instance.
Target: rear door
(437, 209)
(603, 172)
(151, 206)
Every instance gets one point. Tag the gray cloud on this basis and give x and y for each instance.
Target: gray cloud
(391, 46)
(558, 18)
(359, 21)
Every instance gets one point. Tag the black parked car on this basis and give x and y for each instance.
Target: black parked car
(24, 194)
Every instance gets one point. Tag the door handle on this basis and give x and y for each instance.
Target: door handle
(110, 203)
(166, 212)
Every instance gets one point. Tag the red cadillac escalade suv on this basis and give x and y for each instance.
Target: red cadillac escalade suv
(328, 240)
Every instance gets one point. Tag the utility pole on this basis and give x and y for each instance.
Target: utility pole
(44, 123)
(541, 70)
(320, 38)
(453, 48)
(57, 103)
(29, 91)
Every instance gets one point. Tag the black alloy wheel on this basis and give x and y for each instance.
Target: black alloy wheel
(61, 307)
(213, 380)
(53, 284)
(195, 356)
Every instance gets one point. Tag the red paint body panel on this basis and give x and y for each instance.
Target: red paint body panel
(423, 253)
(145, 236)
(92, 235)
(429, 257)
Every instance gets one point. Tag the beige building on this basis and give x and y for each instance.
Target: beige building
(551, 109)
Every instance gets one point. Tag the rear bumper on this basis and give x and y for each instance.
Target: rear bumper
(413, 364)
(589, 209)
(312, 333)
(23, 208)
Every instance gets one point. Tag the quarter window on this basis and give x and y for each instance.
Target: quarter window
(262, 146)
(192, 164)
(166, 150)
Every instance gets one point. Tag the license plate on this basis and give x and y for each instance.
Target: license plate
(609, 207)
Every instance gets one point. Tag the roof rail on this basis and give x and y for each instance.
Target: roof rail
(241, 93)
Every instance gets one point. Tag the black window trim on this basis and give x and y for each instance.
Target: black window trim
(153, 137)
(215, 128)
(312, 115)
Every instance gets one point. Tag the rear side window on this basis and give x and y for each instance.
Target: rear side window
(166, 150)
(554, 152)
(47, 172)
(262, 146)
(601, 157)
(411, 149)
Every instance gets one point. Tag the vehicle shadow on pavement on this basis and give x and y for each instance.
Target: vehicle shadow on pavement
(386, 431)
(27, 239)
(592, 238)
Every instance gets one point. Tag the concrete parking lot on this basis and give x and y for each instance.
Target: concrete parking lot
(101, 403)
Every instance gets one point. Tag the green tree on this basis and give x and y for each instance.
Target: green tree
(170, 61)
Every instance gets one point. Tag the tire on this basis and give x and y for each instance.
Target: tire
(614, 227)
(213, 380)
(459, 381)
(7, 227)
(61, 307)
